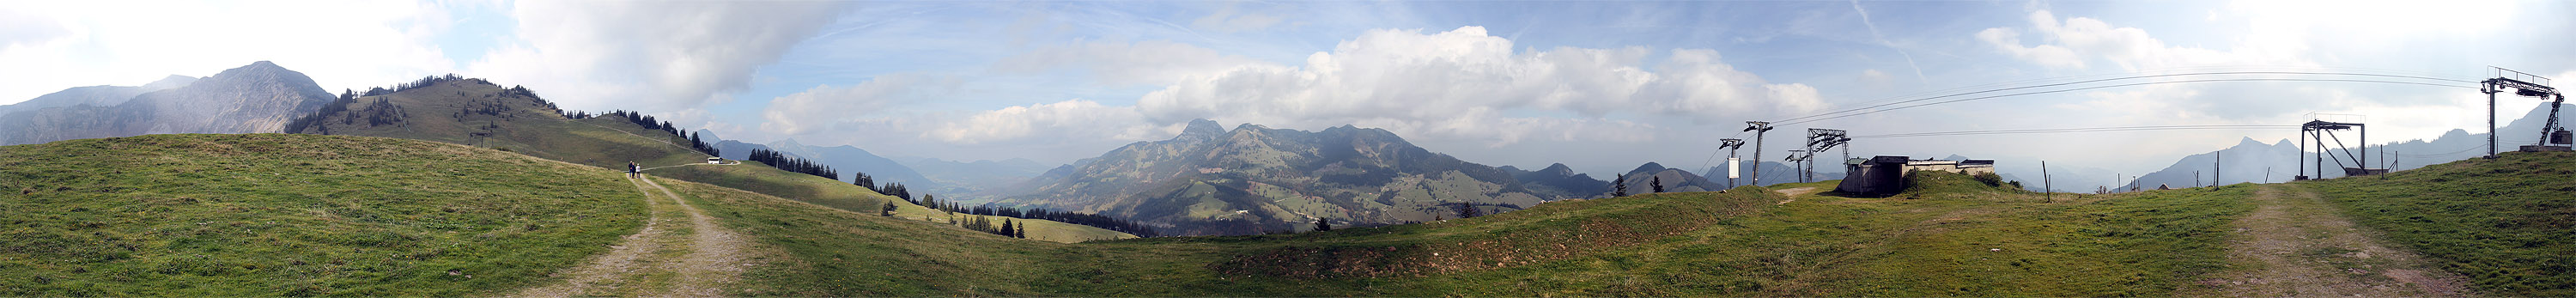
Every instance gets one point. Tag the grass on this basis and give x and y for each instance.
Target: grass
(1744, 242)
(2509, 224)
(323, 215)
(295, 215)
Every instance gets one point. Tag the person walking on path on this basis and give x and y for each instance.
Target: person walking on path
(633, 171)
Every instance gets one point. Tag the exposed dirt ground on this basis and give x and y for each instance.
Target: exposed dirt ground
(1793, 193)
(696, 258)
(2295, 245)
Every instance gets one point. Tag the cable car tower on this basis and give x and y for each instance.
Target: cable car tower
(1758, 128)
(1798, 162)
(2320, 130)
(2552, 137)
(1819, 140)
(1732, 168)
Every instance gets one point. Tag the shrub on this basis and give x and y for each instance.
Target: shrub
(1990, 179)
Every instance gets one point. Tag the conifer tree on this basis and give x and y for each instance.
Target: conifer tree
(1468, 210)
(1619, 186)
(1658, 183)
(889, 209)
(1321, 225)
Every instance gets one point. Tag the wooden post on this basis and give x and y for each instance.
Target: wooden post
(2048, 192)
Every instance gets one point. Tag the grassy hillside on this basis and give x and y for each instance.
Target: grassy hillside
(479, 113)
(1745, 242)
(841, 195)
(295, 215)
(2509, 224)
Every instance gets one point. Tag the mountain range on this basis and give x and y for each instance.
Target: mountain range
(257, 98)
(2254, 161)
(1252, 179)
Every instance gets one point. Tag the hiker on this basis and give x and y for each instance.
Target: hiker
(633, 171)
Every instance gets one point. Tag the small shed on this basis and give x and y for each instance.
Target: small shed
(715, 160)
(1876, 176)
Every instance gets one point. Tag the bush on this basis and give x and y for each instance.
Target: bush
(1990, 179)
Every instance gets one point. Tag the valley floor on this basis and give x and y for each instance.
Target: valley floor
(2295, 244)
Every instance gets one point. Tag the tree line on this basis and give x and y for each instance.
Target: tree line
(793, 164)
(696, 141)
(985, 224)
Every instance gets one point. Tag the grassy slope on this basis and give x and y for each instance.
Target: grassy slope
(1740, 243)
(609, 142)
(2509, 224)
(271, 214)
(838, 195)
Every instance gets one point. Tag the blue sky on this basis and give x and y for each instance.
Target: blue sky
(1599, 85)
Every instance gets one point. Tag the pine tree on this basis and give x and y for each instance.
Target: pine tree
(1006, 227)
(1619, 186)
(1023, 233)
(889, 209)
(1321, 225)
(929, 201)
(1468, 210)
(1658, 184)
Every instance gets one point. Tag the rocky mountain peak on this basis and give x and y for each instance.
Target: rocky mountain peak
(1202, 128)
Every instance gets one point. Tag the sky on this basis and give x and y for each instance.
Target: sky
(1599, 85)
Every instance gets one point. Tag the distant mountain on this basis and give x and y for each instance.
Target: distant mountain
(2249, 159)
(1209, 181)
(1775, 173)
(731, 149)
(974, 177)
(851, 160)
(1642, 180)
(95, 95)
(1559, 179)
(257, 98)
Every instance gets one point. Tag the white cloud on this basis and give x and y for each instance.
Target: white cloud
(819, 107)
(2047, 55)
(648, 55)
(2073, 41)
(1072, 119)
(1406, 80)
(340, 44)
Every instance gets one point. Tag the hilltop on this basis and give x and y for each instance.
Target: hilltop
(296, 215)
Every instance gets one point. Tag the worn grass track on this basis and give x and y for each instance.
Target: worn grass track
(681, 253)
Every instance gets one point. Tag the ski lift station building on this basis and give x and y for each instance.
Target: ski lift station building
(1885, 175)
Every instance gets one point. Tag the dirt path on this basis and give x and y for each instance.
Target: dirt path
(719, 257)
(696, 258)
(2295, 245)
(1793, 193)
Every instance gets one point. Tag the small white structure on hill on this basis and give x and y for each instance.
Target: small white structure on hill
(1970, 167)
(715, 160)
